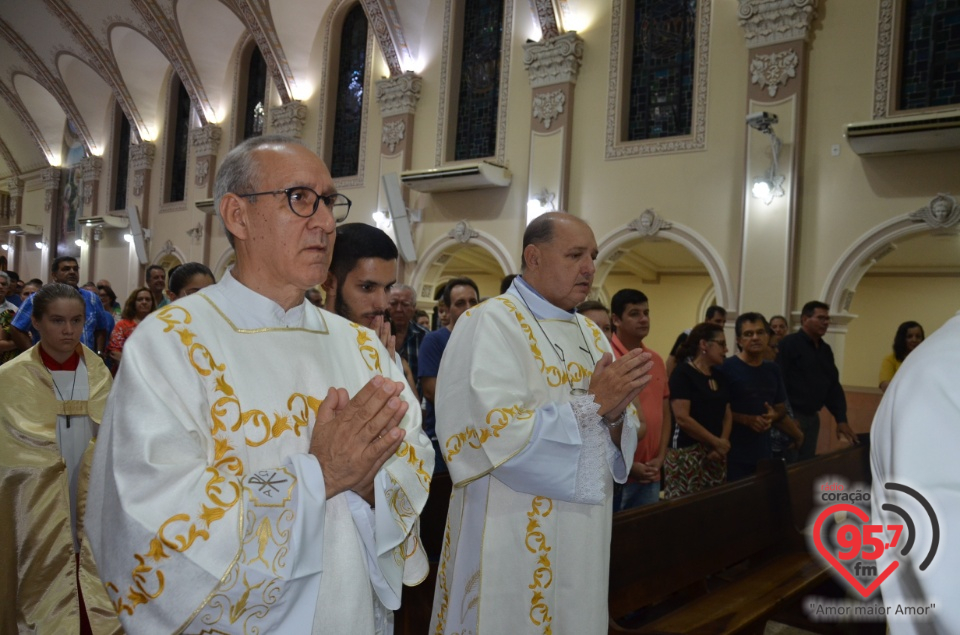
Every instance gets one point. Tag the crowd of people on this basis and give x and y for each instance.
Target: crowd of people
(263, 457)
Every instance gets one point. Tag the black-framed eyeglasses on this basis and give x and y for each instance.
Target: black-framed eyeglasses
(304, 202)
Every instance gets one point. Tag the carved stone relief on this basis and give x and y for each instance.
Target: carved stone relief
(393, 134)
(399, 95)
(51, 185)
(553, 61)
(548, 106)
(767, 22)
(462, 232)
(649, 223)
(774, 70)
(206, 140)
(943, 211)
(289, 119)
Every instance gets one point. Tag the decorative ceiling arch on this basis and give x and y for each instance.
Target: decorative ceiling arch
(170, 41)
(256, 17)
(103, 62)
(92, 97)
(389, 33)
(8, 158)
(11, 98)
(546, 13)
(53, 84)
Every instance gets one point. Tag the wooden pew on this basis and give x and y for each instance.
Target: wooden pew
(725, 560)
(851, 464)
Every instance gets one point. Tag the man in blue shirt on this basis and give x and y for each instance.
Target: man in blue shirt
(97, 322)
(459, 295)
(757, 398)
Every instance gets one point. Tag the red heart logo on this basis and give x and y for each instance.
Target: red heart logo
(865, 591)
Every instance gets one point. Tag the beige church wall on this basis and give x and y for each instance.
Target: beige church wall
(675, 304)
(882, 303)
(700, 189)
(843, 197)
(31, 263)
(497, 211)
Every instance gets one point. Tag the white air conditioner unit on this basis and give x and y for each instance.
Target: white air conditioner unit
(108, 221)
(206, 206)
(922, 133)
(22, 230)
(455, 178)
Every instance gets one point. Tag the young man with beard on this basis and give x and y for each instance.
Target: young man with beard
(362, 272)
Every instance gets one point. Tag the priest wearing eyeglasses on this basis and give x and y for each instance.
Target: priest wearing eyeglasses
(261, 465)
(534, 421)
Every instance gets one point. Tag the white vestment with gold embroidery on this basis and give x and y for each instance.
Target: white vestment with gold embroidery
(526, 547)
(206, 511)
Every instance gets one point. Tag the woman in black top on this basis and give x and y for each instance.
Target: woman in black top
(701, 407)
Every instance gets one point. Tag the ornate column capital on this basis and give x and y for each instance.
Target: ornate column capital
(767, 22)
(206, 139)
(289, 119)
(14, 187)
(51, 187)
(399, 95)
(142, 155)
(554, 60)
(92, 166)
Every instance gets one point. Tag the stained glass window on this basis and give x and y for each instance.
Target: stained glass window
(479, 92)
(348, 120)
(256, 95)
(121, 150)
(662, 69)
(181, 142)
(930, 58)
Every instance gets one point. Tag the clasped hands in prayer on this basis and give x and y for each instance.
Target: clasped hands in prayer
(353, 438)
(615, 383)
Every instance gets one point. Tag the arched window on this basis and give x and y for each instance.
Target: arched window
(253, 94)
(348, 117)
(178, 142)
(658, 77)
(662, 69)
(121, 158)
(478, 95)
(929, 45)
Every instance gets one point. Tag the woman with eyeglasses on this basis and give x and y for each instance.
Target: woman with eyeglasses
(700, 402)
(52, 398)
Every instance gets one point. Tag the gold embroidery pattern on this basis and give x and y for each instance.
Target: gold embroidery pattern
(442, 580)
(497, 420)
(410, 453)
(597, 333)
(147, 578)
(555, 377)
(536, 543)
(370, 355)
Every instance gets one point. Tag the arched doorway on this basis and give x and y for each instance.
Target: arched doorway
(676, 282)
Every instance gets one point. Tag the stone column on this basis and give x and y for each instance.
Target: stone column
(397, 97)
(206, 143)
(553, 64)
(14, 211)
(50, 177)
(776, 35)
(289, 119)
(141, 163)
(13, 216)
(92, 167)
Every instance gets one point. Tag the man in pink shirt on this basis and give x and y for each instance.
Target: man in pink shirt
(630, 311)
